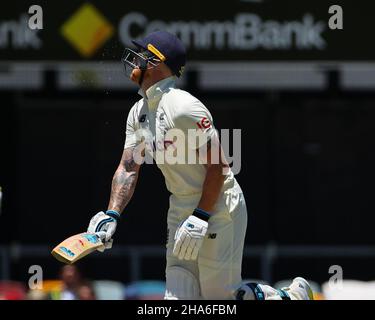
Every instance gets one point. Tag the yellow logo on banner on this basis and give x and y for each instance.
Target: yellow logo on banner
(87, 30)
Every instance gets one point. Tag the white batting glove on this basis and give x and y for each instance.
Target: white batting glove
(104, 225)
(190, 235)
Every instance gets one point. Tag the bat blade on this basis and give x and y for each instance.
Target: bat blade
(76, 247)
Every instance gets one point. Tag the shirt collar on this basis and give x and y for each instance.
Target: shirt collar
(156, 90)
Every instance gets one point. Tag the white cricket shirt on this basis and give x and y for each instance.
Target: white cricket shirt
(161, 111)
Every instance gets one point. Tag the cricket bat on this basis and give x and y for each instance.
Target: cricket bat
(76, 247)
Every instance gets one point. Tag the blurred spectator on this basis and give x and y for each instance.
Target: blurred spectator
(73, 286)
(70, 286)
(71, 280)
(86, 292)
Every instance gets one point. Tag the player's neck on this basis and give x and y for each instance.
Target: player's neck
(149, 82)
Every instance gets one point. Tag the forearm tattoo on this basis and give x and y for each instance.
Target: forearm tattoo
(123, 184)
(130, 165)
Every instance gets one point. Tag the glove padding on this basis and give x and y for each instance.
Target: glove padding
(189, 238)
(104, 226)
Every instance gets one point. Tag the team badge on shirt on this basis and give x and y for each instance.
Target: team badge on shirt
(204, 123)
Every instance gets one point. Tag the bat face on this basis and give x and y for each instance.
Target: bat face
(76, 247)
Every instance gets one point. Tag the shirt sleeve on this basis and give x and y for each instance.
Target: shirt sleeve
(131, 129)
(196, 122)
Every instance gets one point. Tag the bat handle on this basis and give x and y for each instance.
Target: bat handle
(101, 235)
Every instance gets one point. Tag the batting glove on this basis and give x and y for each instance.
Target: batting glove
(104, 225)
(190, 234)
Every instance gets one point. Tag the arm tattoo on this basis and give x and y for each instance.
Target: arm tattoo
(123, 183)
(130, 164)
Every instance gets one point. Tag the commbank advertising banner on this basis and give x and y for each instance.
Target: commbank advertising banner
(236, 30)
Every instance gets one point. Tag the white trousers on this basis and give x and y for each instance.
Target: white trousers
(216, 274)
